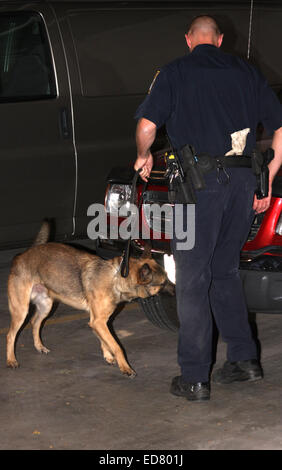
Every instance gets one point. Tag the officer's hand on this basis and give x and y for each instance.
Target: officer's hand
(146, 167)
(261, 205)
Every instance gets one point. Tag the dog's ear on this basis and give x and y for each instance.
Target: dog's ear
(145, 274)
(147, 251)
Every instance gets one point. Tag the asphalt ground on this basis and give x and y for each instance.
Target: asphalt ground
(71, 399)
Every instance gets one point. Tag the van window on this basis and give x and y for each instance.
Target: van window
(26, 71)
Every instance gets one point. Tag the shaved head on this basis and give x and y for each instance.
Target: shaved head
(204, 24)
(203, 30)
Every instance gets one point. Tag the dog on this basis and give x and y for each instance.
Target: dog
(50, 271)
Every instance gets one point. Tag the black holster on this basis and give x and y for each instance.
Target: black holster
(191, 167)
(190, 176)
(181, 192)
(260, 162)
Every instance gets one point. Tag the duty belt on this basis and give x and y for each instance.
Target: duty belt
(233, 161)
(186, 169)
(207, 163)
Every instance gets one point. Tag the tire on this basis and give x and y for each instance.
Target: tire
(161, 311)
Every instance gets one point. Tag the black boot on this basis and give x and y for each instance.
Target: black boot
(240, 371)
(199, 391)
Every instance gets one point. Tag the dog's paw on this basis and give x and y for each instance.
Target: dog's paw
(130, 373)
(110, 360)
(13, 364)
(109, 357)
(42, 350)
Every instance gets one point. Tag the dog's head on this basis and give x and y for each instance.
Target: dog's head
(151, 277)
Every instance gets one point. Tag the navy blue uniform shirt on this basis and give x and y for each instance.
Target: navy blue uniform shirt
(204, 97)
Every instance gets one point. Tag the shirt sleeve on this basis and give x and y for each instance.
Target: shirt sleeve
(157, 105)
(270, 108)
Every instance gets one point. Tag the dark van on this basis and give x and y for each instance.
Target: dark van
(71, 77)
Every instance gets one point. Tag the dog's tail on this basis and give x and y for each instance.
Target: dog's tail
(43, 234)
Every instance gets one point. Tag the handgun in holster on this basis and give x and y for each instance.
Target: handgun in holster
(179, 190)
(191, 167)
(185, 176)
(260, 162)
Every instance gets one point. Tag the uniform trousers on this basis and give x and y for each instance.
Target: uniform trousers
(208, 283)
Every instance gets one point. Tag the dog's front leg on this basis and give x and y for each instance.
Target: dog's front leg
(111, 350)
(107, 354)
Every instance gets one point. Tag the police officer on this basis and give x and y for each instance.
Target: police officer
(207, 99)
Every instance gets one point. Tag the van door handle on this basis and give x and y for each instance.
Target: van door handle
(64, 123)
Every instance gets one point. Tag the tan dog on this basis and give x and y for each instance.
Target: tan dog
(53, 271)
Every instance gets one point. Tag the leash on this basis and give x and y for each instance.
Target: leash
(124, 267)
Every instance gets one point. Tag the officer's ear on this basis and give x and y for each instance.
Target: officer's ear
(219, 40)
(188, 40)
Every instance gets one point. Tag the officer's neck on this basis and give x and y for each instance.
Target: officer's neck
(204, 43)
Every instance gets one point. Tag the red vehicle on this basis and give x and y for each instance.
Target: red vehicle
(261, 256)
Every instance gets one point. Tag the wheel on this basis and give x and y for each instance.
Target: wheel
(161, 311)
